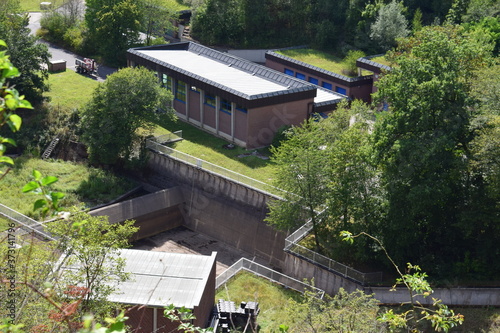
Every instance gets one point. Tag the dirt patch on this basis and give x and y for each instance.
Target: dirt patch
(183, 240)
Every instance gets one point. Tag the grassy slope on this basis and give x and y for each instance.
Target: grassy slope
(209, 148)
(246, 287)
(82, 185)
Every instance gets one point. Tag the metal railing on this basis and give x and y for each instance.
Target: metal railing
(26, 223)
(292, 246)
(263, 271)
(213, 168)
(170, 137)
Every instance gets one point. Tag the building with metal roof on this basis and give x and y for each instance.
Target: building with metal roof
(158, 279)
(238, 100)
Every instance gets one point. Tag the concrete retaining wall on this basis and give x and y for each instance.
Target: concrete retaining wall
(153, 213)
(233, 213)
(225, 210)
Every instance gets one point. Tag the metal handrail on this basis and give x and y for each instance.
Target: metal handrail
(263, 271)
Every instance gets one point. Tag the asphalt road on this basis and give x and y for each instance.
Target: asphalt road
(58, 53)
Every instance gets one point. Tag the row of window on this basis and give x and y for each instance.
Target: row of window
(315, 81)
(180, 94)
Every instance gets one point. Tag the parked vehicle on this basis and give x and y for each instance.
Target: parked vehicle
(86, 66)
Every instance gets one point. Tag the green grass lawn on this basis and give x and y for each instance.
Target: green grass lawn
(210, 148)
(70, 89)
(381, 60)
(82, 185)
(317, 58)
(247, 287)
(176, 5)
(34, 5)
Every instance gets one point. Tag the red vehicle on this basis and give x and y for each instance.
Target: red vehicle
(86, 66)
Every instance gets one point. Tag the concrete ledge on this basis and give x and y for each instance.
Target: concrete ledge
(146, 204)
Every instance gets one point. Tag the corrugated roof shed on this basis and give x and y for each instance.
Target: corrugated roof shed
(158, 279)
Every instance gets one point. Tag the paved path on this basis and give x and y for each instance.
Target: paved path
(58, 53)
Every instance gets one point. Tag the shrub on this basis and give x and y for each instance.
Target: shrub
(350, 61)
(56, 25)
(73, 37)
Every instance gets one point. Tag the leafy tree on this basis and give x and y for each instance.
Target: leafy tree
(416, 22)
(326, 164)
(218, 22)
(156, 19)
(113, 27)
(423, 147)
(28, 56)
(389, 25)
(479, 9)
(302, 163)
(128, 100)
(415, 282)
(90, 247)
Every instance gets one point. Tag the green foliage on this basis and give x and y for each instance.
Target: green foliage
(415, 281)
(157, 19)
(50, 201)
(11, 101)
(344, 312)
(126, 101)
(28, 56)
(113, 27)
(479, 9)
(416, 23)
(56, 25)
(325, 168)
(389, 25)
(91, 245)
(422, 145)
(183, 316)
(272, 297)
(350, 61)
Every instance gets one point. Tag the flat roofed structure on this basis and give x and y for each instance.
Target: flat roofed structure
(241, 101)
(158, 279)
(359, 87)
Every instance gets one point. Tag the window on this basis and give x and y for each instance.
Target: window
(210, 99)
(300, 76)
(241, 108)
(340, 90)
(166, 81)
(327, 85)
(313, 80)
(180, 91)
(225, 106)
(289, 72)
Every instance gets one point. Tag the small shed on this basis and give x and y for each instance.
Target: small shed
(57, 65)
(158, 279)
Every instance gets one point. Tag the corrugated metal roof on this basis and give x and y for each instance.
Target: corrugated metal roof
(215, 71)
(161, 278)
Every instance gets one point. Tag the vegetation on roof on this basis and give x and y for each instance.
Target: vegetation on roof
(324, 60)
(381, 60)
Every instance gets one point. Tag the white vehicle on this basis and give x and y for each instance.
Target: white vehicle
(86, 66)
